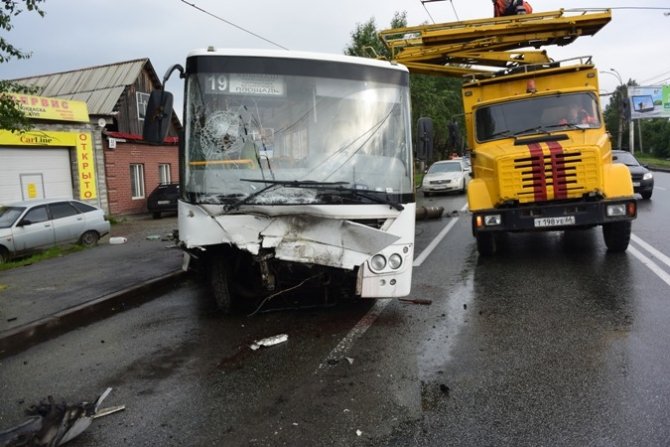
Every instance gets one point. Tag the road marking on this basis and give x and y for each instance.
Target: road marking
(339, 351)
(661, 188)
(651, 264)
(657, 254)
(429, 249)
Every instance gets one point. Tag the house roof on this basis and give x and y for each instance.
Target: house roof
(100, 86)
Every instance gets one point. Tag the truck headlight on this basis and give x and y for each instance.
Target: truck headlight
(492, 220)
(647, 176)
(616, 210)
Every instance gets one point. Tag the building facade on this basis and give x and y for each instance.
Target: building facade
(126, 168)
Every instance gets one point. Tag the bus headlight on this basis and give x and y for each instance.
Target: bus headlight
(377, 263)
(395, 261)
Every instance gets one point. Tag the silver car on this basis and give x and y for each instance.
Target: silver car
(30, 226)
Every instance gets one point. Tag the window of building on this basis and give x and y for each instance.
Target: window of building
(164, 176)
(137, 181)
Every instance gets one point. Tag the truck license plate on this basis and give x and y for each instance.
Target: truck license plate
(554, 221)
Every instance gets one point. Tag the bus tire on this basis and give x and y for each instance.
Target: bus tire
(220, 283)
(617, 236)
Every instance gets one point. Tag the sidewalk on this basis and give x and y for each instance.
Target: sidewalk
(38, 296)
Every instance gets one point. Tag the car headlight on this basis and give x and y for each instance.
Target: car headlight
(647, 176)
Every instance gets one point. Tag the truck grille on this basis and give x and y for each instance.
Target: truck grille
(548, 173)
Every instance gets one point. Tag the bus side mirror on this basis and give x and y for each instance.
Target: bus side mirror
(158, 117)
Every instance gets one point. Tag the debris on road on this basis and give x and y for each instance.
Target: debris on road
(270, 341)
(117, 240)
(350, 360)
(416, 301)
(52, 425)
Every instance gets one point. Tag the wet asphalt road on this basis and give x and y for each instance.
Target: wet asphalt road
(554, 342)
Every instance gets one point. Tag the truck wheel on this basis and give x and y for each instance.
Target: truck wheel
(486, 243)
(617, 236)
(220, 282)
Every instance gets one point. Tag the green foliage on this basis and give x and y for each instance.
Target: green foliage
(432, 96)
(50, 253)
(655, 137)
(11, 117)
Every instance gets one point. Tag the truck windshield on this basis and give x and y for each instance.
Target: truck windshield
(292, 131)
(541, 114)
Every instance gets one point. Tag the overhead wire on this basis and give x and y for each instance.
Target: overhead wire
(234, 25)
(423, 3)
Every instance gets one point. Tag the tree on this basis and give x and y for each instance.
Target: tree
(11, 117)
(436, 97)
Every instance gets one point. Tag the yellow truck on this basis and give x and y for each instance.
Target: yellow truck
(541, 156)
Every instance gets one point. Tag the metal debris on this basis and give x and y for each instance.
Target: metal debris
(270, 341)
(416, 301)
(51, 424)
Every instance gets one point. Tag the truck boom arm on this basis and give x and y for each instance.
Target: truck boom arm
(481, 47)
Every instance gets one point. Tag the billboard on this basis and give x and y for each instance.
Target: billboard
(649, 102)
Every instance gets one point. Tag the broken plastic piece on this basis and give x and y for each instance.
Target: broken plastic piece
(270, 341)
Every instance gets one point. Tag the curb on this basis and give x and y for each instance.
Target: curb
(21, 338)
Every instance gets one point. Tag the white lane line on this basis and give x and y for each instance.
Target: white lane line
(651, 264)
(657, 254)
(429, 249)
(339, 351)
(661, 188)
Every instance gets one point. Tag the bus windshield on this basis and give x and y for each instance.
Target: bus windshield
(264, 138)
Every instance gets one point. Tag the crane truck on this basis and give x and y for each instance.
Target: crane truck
(541, 156)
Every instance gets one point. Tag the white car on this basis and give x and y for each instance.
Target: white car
(446, 176)
(33, 225)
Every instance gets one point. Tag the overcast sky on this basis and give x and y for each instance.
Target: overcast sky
(81, 33)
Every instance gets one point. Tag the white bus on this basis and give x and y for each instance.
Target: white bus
(296, 171)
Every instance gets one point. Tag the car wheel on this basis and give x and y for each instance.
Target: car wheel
(89, 239)
(646, 195)
(617, 236)
(156, 214)
(4, 255)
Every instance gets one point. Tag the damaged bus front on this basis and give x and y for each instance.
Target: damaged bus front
(296, 171)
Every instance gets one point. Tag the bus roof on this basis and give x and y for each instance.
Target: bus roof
(290, 54)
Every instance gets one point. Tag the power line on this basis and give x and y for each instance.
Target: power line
(232, 24)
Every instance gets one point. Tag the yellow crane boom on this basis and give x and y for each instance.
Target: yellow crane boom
(481, 47)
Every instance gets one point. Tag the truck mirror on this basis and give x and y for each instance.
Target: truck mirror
(158, 117)
(424, 138)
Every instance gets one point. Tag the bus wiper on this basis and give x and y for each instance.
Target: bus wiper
(295, 183)
(271, 184)
(371, 197)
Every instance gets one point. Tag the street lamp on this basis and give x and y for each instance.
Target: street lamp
(616, 74)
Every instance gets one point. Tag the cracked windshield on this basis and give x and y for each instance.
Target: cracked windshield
(281, 139)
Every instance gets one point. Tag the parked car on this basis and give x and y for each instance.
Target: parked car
(163, 199)
(643, 178)
(446, 176)
(30, 226)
